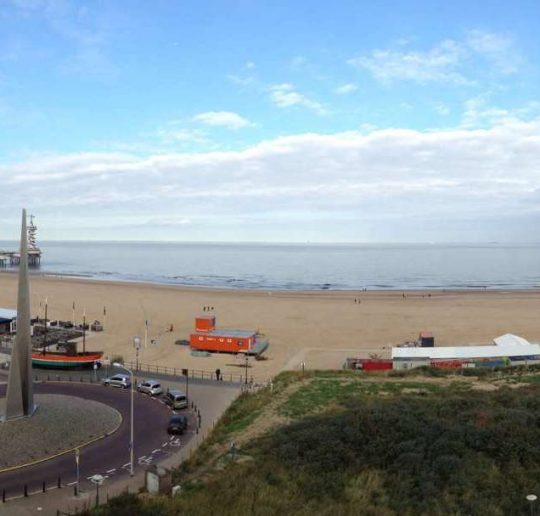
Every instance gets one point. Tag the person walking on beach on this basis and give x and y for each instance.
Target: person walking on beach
(218, 374)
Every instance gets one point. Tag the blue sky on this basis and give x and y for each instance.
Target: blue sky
(271, 121)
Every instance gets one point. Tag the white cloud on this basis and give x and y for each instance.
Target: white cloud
(285, 95)
(438, 64)
(449, 61)
(497, 48)
(383, 177)
(173, 134)
(222, 119)
(345, 89)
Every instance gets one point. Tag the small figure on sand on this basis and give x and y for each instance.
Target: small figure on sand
(218, 375)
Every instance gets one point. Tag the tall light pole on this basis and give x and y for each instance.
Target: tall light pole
(131, 450)
(137, 346)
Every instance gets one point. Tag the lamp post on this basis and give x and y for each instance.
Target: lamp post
(246, 378)
(531, 498)
(77, 456)
(131, 452)
(137, 346)
(98, 480)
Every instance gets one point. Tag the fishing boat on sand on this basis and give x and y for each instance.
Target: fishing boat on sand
(61, 360)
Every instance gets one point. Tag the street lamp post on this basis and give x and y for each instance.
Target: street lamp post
(131, 444)
(246, 378)
(137, 346)
(531, 498)
(98, 480)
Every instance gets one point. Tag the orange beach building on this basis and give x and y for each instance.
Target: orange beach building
(207, 338)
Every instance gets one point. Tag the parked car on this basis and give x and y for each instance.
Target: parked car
(118, 380)
(177, 425)
(176, 399)
(150, 387)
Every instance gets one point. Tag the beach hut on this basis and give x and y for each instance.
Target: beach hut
(207, 338)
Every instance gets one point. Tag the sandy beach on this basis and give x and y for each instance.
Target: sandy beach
(319, 328)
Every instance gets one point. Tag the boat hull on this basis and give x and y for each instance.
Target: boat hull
(62, 361)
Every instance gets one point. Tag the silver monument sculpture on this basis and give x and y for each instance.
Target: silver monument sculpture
(20, 390)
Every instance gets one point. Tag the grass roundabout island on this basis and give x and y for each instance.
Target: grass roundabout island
(60, 424)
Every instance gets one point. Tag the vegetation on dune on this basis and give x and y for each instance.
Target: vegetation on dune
(376, 445)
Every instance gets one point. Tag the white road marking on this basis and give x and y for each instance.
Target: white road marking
(72, 483)
(156, 450)
(126, 465)
(111, 470)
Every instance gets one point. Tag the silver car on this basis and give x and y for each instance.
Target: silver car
(150, 387)
(118, 380)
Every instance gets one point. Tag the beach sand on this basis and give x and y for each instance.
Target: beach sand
(320, 328)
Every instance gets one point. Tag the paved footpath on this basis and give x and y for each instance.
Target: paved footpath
(210, 398)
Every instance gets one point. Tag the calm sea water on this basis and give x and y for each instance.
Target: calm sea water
(299, 267)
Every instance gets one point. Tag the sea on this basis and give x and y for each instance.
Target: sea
(298, 266)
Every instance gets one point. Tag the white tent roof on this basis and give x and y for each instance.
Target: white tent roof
(510, 340)
(466, 352)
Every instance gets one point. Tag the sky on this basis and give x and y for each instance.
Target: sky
(271, 121)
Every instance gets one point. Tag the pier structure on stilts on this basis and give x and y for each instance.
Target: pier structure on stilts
(34, 252)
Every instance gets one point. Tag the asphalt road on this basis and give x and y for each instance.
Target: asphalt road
(109, 456)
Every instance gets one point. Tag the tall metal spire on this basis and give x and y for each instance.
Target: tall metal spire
(20, 390)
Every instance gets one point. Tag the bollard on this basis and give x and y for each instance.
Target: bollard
(4, 495)
(48, 378)
(44, 489)
(25, 490)
(75, 490)
(59, 484)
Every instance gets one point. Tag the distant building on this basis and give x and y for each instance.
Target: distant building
(510, 347)
(8, 321)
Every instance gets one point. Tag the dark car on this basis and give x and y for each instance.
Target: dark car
(177, 425)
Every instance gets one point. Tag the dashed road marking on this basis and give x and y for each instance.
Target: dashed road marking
(156, 450)
(72, 483)
(111, 470)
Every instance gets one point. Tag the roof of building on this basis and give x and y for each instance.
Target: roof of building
(227, 333)
(7, 314)
(505, 349)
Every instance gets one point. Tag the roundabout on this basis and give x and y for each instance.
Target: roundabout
(107, 453)
(60, 424)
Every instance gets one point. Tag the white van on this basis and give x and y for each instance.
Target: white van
(176, 399)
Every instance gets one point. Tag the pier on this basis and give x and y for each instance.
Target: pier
(34, 252)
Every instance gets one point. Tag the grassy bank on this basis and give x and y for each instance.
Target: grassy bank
(346, 443)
